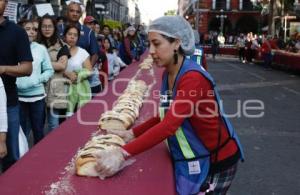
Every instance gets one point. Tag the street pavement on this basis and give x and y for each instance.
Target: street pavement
(271, 142)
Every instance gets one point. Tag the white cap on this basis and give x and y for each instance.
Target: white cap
(175, 27)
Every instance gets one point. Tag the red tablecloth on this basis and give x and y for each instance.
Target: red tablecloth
(222, 50)
(47, 168)
(286, 59)
(282, 58)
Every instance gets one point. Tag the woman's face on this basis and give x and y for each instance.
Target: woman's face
(161, 50)
(106, 44)
(131, 32)
(31, 31)
(71, 37)
(47, 28)
(97, 28)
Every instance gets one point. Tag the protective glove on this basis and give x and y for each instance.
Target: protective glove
(126, 135)
(111, 161)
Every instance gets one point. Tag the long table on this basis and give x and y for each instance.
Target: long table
(287, 59)
(48, 168)
(222, 50)
(282, 58)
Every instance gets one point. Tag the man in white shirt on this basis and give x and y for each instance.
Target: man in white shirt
(3, 120)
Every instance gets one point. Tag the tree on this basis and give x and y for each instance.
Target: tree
(170, 13)
(275, 9)
(270, 17)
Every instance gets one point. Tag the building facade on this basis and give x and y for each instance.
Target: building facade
(134, 15)
(227, 16)
(124, 11)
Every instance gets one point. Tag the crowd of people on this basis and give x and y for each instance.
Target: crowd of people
(252, 46)
(50, 67)
(292, 44)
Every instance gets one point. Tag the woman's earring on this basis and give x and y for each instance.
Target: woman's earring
(175, 56)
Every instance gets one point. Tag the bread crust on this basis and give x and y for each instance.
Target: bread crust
(85, 161)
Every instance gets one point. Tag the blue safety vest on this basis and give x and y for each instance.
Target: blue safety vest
(197, 56)
(191, 158)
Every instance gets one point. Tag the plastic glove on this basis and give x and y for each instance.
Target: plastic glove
(111, 161)
(126, 135)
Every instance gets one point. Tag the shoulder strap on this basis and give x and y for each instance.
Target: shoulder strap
(90, 36)
(62, 29)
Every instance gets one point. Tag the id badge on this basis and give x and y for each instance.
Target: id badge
(194, 167)
(163, 98)
(198, 52)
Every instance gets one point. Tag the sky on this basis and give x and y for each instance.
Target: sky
(152, 9)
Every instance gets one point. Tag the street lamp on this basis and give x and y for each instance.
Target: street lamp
(102, 13)
(222, 18)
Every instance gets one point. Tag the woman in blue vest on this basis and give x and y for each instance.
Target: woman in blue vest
(203, 145)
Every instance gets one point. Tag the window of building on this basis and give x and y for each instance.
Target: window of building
(220, 4)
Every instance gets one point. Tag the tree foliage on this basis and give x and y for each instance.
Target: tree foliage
(170, 13)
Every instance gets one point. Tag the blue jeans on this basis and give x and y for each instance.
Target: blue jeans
(268, 58)
(95, 90)
(52, 118)
(35, 112)
(12, 139)
(55, 117)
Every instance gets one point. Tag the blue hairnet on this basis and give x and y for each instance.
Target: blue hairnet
(176, 27)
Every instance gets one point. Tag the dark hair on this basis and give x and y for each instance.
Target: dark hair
(36, 19)
(61, 18)
(105, 25)
(69, 27)
(131, 37)
(74, 3)
(24, 21)
(172, 40)
(110, 49)
(139, 26)
(119, 35)
(44, 40)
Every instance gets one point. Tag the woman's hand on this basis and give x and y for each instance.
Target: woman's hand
(109, 161)
(72, 76)
(126, 135)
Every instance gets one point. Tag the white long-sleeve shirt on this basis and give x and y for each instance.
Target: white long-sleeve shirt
(3, 112)
(114, 65)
